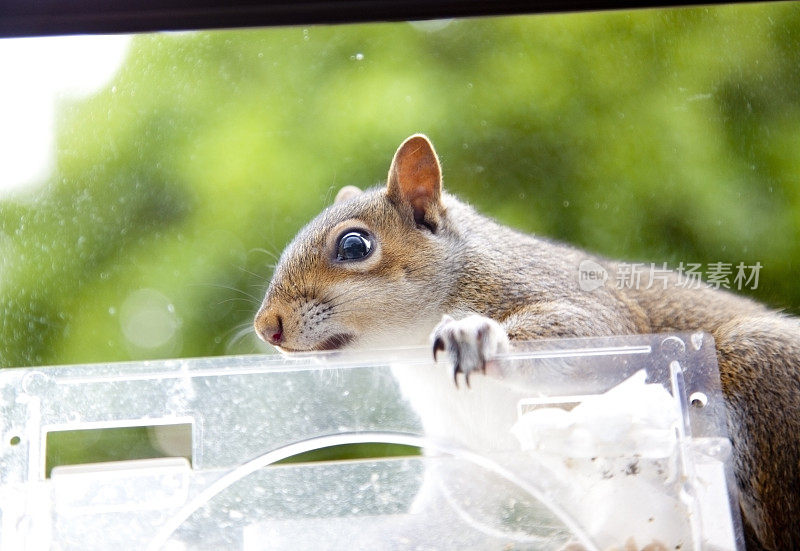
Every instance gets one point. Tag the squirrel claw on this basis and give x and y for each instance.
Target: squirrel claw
(456, 370)
(438, 345)
(466, 378)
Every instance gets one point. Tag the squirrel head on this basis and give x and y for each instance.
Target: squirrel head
(367, 271)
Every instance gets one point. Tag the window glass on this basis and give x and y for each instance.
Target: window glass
(148, 183)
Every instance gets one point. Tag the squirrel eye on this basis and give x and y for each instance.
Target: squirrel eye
(353, 245)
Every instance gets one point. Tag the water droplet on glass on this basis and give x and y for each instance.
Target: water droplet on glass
(147, 319)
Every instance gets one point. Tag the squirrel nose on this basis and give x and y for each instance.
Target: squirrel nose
(269, 326)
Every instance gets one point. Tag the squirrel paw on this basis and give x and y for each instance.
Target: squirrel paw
(471, 343)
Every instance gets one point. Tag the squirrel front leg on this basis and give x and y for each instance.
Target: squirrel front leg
(476, 340)
(565, 319)
(471, 343)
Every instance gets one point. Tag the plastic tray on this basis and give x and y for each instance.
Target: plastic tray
(613, 443)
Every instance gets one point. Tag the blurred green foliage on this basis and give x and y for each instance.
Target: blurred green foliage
(654, 135)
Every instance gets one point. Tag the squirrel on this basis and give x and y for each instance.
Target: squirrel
(408, 263)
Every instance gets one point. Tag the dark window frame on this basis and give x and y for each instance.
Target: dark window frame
(53, 17)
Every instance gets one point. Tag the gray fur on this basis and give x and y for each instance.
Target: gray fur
(438, 256)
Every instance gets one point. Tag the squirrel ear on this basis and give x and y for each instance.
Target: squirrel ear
(347, 192)
(415, 181)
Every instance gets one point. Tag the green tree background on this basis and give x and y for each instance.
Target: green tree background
(655, 135)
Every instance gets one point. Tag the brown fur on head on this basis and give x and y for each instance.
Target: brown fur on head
(318, 300)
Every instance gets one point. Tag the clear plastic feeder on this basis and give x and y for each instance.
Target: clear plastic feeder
(595, 444)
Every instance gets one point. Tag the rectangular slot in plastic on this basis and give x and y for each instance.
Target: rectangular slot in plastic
(68, 447)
